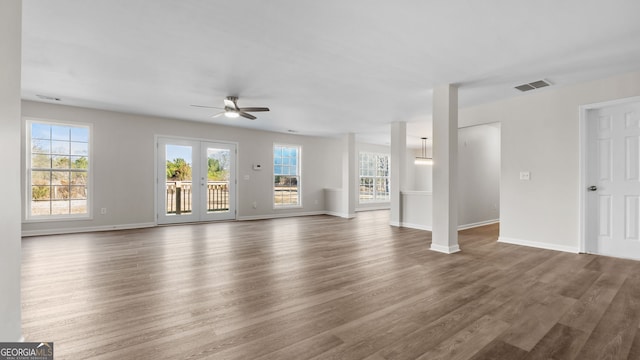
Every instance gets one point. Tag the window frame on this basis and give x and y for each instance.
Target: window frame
(28, 217)
(376, 178)
(298, 176)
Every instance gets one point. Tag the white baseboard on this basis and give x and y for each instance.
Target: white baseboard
(27, 233)
(385, 206)
(395, 223)
(417, 226)
(478, 224)
(282, 215)
(540, 245)
(445, 249)
(342, 215)
(460, 227)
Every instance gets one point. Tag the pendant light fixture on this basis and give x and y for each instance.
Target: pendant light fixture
(424, 160)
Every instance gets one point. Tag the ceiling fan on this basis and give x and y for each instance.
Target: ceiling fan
(232, 110)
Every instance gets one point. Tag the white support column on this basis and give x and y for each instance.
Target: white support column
(398, 169)
(349, 175)
(445, 169)
(10, 222)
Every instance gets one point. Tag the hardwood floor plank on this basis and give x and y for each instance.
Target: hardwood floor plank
(613, 336)
(634, 352)
(526, 331)
(306, 349)
(577, 285)
(561, 342)
(466, 343)
(588, 310)
(370, 338)
(499, 350)
(437, 329)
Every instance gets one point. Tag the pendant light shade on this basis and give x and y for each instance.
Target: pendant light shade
(424, 160)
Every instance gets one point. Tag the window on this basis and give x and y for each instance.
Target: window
(57, 170)
(374, 177)
(286, 175)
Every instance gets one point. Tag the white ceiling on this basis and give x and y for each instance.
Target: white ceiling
(323, 67)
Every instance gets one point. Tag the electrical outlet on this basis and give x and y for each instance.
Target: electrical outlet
(525, 175)
(103, 211)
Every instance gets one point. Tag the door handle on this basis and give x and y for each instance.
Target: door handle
(592, 188)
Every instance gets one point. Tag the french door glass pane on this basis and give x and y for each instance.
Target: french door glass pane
(218, 166)
(178, 182)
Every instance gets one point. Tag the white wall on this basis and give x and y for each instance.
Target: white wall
(417, 210)
(10, 248)
(123, 165)
(539, 132)
(478, 175)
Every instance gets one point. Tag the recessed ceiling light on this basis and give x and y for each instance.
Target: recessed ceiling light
(291, 131)
(49, 98)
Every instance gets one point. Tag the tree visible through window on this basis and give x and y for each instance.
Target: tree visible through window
(374, 177)
(58, 169)
(286, 175)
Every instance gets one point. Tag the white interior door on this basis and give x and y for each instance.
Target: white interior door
(196, 181)
(613, 188)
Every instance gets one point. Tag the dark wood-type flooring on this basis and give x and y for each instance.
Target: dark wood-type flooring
(322, 287)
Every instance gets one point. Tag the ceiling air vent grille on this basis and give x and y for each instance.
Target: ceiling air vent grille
(533, 85)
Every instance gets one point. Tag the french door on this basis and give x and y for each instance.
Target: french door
(196, 180)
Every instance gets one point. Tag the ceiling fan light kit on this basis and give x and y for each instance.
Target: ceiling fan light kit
(232, 110)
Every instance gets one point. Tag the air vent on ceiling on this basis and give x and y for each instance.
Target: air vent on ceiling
(49, 98)
(533, 85)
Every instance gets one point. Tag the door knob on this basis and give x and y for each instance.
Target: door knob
(592, 188)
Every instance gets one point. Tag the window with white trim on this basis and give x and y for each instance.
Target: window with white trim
(286, 175)
(374, 177)
(58, 165)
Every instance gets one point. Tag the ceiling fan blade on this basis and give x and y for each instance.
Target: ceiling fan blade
(218, 114)
(208, 107)
(230, 102)
(247, 115)
(254, 109)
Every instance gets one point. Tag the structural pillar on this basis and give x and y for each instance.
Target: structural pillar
(398, 169)
(10, 219)
(445, 169)
(349, 175)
